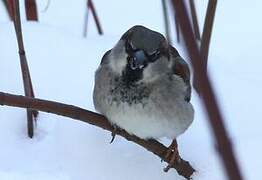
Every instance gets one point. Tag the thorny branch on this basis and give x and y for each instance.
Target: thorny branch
(183, 167)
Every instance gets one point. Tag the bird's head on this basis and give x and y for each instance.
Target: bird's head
(140, 55)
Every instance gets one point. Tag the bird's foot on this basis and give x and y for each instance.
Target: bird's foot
(35, 113)
(173, 155)
(113, 134)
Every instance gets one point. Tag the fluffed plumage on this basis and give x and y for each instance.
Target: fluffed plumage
(143, 86)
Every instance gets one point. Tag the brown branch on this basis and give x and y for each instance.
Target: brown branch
(8, 10)
(183, 168)
(177, 28)
(206, 36)
(194, 19)
(28, 89)
(9, 4)
(90, 5)
(214, 115)
(31, 10)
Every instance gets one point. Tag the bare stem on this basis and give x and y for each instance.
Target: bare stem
(206, 37)
(194, 19)
(28, 88)
(9, 8)
(183, 168)
(90, 5)
(31, 10)
(209, 99)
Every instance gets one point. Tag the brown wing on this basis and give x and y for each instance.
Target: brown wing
(181, 69)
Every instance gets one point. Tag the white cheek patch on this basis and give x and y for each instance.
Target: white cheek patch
(118, 63)
(118, 58)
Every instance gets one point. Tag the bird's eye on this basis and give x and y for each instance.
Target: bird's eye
(154, 56)
(129, 47)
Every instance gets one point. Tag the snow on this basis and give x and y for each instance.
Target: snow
(62, 66)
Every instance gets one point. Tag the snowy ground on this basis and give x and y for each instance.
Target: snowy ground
(62, 66)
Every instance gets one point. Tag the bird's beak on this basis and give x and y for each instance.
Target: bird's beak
(137, 60)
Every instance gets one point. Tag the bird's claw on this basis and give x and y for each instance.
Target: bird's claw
(173, 155)
(35, 113)
(113, 134)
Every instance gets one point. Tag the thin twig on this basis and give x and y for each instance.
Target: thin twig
(194, 19)
(85, 22)
(183, 168)
(28, 89)
(214, 115)
(90, 5)
(206, 36)
(177, 28)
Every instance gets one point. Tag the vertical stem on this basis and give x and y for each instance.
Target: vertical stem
(86, 22)
(8, 10)
(177, 27)
(28, 89)
(31, 10)
(214, 115)
(206, 36)
(92, 8)
(194, 18)
(166, 21)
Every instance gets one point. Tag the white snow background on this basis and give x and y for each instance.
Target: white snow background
(62, 65)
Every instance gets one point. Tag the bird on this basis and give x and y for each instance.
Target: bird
(142, 85)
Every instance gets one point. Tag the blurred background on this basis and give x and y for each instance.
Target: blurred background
(62, 63)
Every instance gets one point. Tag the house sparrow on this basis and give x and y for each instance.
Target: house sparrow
(143, 86)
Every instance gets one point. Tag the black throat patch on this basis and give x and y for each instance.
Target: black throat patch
(130, 76)
(126, 90)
